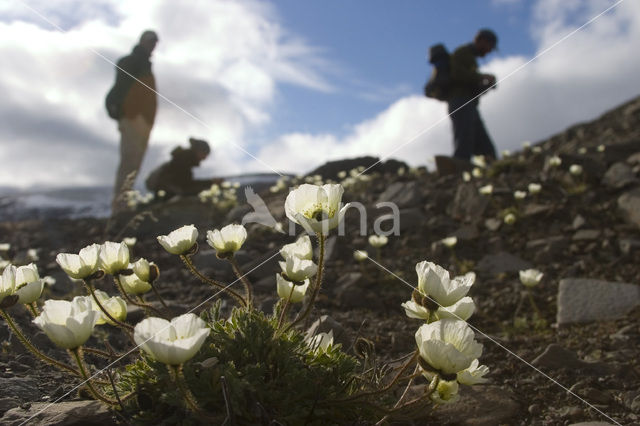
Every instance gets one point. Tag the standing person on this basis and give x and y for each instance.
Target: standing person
(469, 134)
(132, 101)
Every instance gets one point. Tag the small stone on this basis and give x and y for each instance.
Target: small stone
(534, 409)
(492, 224)
(578, 222)
(629, 205)
(586, 235)
(572, 412)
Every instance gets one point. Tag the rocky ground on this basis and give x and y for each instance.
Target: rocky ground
(578, 363)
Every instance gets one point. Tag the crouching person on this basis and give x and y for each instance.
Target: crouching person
(175, 177)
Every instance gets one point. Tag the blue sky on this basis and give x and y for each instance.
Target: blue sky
(296, 82)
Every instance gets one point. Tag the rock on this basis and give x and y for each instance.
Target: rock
(402, 194)
(584, 300)
(591, 424)
(578, 222)
(406, 219)
(331, 169)
(534, 209)
(629, 206)
(502, 262)
(8, 403)
(468, 204)
(467, 232)
(73, 413)
(586, 235)
(628, 245)
(480, 406)
(618, 176)
(556, 357)
(324, 324)
(25, 388)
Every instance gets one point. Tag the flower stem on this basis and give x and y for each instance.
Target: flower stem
(189, 399)
(243, 278)
(155, 291)
(33, 308)
(316, 286)
(533, 303)
(187, 261)
(285, 308)
(27, 344)
(77, 355)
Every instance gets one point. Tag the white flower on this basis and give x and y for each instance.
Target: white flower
(476, 172)
(32, 254)
(510, 219)
(5, 246)
(321, 342)
(434, 281)
(173, 342)
(286, 288)
(132, 284)
(448, 346)
(7, 281)
(28, 285)
(114, 257)
(473, 375)
(530, 277)
(519, 195)
(506, 153)
(316, 208)
(486, 190)
(360, 255)
(555, 161)
(600, 148)
(466, 176)
(575, 169)
(342, 174)
(414, 310)
(179, 241)
(582, 150)
(130, 241)
(296, 269)
(228, 239)
(479, 161)
(526, 145)
(142, 269)
(536, 149)
(115, 305)
(301, 249)
(81, 265)
(534, 188)
(449, 241)
(378, 240)
(68, 324)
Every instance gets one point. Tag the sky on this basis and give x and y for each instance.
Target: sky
(286, 85)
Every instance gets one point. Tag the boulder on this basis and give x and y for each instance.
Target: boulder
(72, 413)
(629, 206)
(618, 176)
(502, 262)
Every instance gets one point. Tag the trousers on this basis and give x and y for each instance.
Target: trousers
(134, 138)
(469, 134)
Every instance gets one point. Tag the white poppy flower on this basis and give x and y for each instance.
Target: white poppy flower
(80, 266)
(301, 249)
(534, 188)
(510, 219)
(476, 172)
(486, 190)
(530, 277)
(285, 287)
(474, 374)
(321, 342)
(142, 269)
(434, 281)
(555, 161)
(466, 176)
(179, 241)
(414, 310)
(462, 310)
(296, 269)
(68, 324)
(360, 255)
(114, 257)
(449, 241)
(316, 208)
(8, 281)
(446, 392)
(575, 169)
(378, 240)
(173, 342)
(227, 240)
(448, 345)
(28, 285)
(115, 305)
(130, 241)
(519, 195)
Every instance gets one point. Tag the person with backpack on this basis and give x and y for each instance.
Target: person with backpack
(466, 84)
(132, 102)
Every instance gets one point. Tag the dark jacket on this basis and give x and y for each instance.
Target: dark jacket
(129, 97)
(465, 80)
(175, 177)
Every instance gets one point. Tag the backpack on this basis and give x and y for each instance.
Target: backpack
(113, 102)
(437, 86)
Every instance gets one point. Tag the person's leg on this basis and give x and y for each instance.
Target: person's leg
(463, 128)
(134, 138)
(483, 143)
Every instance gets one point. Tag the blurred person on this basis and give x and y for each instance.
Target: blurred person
(132, 101)
(466, 83)
(175, 177)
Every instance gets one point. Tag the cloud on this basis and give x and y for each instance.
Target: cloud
(576, 80)
(218, 66)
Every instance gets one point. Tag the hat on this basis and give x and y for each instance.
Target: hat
(488, 35)
(199, 145)
(149, 35)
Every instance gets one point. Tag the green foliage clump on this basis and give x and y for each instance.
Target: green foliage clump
(250, 372)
